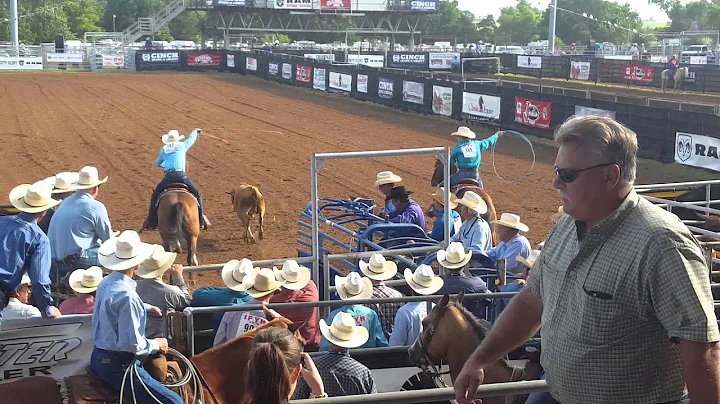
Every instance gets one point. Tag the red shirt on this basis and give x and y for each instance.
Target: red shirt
(81, 304)
(310, 331)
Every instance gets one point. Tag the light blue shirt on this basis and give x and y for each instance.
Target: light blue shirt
(466, 152)
(364, 316)
(438, 230)
(119, 317)
(172, 156)
(517, 246)
(475, 234)
(80, 223)
(408, 323)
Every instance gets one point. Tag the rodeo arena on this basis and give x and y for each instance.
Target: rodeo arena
(242, 222)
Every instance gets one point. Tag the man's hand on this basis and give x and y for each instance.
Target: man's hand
(155, 311)
(176, 270)
(467, 383)
(162, 342)
(54, 312)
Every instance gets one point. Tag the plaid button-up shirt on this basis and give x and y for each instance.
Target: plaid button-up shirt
(386, 311)
(614, 298)
(341, 376)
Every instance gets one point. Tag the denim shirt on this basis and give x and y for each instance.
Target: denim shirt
(80, 223)
(172, 156)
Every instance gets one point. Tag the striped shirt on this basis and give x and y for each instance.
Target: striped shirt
(386, 311)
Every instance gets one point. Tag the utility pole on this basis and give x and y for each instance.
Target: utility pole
(14, 24)
(551, 30)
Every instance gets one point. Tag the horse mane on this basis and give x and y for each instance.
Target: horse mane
(480, 326)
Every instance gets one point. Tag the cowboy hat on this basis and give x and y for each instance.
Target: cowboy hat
(439, 196)
(512, 221)
(530, 260)
(262, 283)
(234, 272)
(377, 268)
(294, 276)
(423, 280)
(88, 178)
(33, 198)
(474, 202)
(343, 331)
(156, 264)
(353, 287)
(172, 137)
(555, 217)
(400, 193)
(25, 280)
(124, 252)
(386, 177)
(464, 131)
(85, 280)
(454, 257)
(62, 182)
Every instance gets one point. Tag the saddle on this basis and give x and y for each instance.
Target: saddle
(172, 188)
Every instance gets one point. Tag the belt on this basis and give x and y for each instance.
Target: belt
(174, 171)
(467, 169)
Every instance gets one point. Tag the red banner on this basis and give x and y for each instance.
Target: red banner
(638, 73)
(203, 59)
(335, 4)
(303, 73)
(532, 113)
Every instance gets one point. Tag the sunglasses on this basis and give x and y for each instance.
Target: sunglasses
(568, 175)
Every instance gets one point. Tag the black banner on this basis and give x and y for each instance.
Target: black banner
(408, 60)
(149, 60)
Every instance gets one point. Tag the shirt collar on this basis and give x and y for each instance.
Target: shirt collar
(119, 276)
(614, 219)
(343, 352)
(26, 217)
(14, 300)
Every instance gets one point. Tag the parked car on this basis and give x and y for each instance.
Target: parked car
(697, 50)
(512, 49)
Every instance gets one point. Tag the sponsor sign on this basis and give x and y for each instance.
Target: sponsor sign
(638, 73)
(413, 92)
(230, 60)
(340, 81)
(532, 113)
(386, 88)
(529, 62)
(698, 60)
(251, 64)
(225, 3)
(584, 111)
(203, 59)
(408, 60)
(287, 71)
(113, 61)
(659, 59)
(697, 150)
(303, 73)
(438, 61)
(579, 70)
(319, 79)
(292, 4)
(442, 100)
(423, 5)
(321, 56)
(481, 106)
(362, 83)
(161, 57)
(334, 4)
(367, 60)
(691, 77)
(64, 57)
(273, 68)
(20, 63)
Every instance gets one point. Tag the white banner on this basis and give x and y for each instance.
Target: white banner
(319, 79)
(113, 61)
(321, 56)
(367, 60)
(287, 71)
(273, 68)
(64, 57)
(698, 60)
(413, 92)
(20, 63)
(341, 81)
(579, 70)
(251, 64)
(529, 62)
(292, 4)
(584, 111)
(362, 83)
(443, 60)
(697, 150)
(230, 60)
(481, 105)
(442, 100)
(56, 348)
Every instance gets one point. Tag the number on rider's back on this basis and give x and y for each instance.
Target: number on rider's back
(469, 150)
(172, 148)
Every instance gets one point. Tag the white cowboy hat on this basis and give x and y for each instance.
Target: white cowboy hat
(25, 280)
(464, 131)
(172, 137)
(124, 252)
(62, 182)
(423, 280)
(156, 264)
(86, 280)
(234, 273)
(343, 331)
(88, 178)
(33, 198)
(555, 217)
(378, 269)
(454, 257)
(439, 196)
(473, 201)
(512, 221)
(262, 283)
(353, 287)
(529, 261)
(386, 177)
(294, 276)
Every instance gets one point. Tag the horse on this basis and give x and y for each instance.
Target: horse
(439, 174)
(178, 221)
(679, 78)
(451, 331)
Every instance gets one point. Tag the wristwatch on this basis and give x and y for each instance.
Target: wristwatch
(323, 395)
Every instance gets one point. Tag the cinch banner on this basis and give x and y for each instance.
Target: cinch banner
(532, 113)
(697, 150)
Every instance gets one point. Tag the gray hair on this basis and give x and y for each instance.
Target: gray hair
(611, 141)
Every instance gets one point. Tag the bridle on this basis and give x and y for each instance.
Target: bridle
(427, 365)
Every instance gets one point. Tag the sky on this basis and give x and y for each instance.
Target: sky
(484, 7)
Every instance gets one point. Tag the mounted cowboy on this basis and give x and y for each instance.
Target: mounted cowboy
(466, 154)
(672, 66)
(172, 158)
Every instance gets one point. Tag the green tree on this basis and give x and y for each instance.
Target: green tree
(521, 24)
(612, 22)
(486, 29)
(83, 16)
(452, 22)
(188, 25)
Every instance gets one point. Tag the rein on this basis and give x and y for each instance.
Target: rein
(428, 367)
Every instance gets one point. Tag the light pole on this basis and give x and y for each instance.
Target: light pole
(114, 23)
(551, 30)
(14, 24)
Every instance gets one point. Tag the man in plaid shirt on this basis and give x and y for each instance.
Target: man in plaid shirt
(621, 288)
(379, 270)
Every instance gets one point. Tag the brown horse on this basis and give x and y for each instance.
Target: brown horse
(439, 174)
(178, 222)
(451, 332)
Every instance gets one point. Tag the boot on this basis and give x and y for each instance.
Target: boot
(205, 223)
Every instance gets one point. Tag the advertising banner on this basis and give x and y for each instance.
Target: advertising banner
(20, 63)
(408, 60)
(480, 106)
(291, 4)
(413, 92)
(287, 71)
(638, 73)
(424, 5)
(113, 61)
(273, 68)
(161, 57)
(386, 88)
(442, 100)
(579, 70)
(698, 60)
(529, 62)
(335, 4)
(341, 81)
(303, 73)
(321, 56)
(319, 79)
(362, 83)
(440, 61)
(532, 113)
(203, 59)
(251, 64)
(64, 57)
(225, 3)
(584, 111)
(697, 150)
(230, 60)
(367, 60)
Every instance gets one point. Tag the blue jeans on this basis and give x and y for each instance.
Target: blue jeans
(171, 178)
(462, 174)
(110, 367)
(541, 398)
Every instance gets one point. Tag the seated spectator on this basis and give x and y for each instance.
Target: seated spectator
(299, 288)
(62, 188)
(18, 307)
(385, 181)
(512, 243)
(437, 209)
(475, 231)
(455, 259)
(518, 284)
(406, 209)
(154, 291)
(341, 375)
(380, 270)
(354, 287)
(219, 296)
(408, 322)
(84, 282)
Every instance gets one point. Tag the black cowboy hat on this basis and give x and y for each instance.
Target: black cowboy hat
(399, 193)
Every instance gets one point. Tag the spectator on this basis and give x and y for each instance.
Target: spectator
(475, 231)
(85, 283)
(299, 288)
(380, 270)
(62, 188)
(512, 243)
(437, 209)
(385, 181)
(18, 307)
(518, 284)
(455, 259)
(223, 296)
(408, 322)
(406, 209)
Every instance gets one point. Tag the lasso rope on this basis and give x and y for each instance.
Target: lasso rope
(531, 150)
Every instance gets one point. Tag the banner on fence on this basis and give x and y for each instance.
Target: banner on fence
(303, 74)
(55, 348)
(529, 62)
(20, 63)
(230, 60)
(413, 92)
(386, 88)
(579, 70)
(423, 5)
(113, 61)
(64, 57)
(273, 68)
(341, 81)
(251, 64)
(408, 60)
(532, 113)
(203, 59)
(367, 60)
(638, 73)
(334, 4)
(480, 106)
(319, 79)
(321, 56)
(287, 71)
(584, 111)
(225, 3)
(362, 83)
(439, 61)
(658, 59)
(442, 100)
(697, 150)
(161, 57)
(291, 4)
(698, 60)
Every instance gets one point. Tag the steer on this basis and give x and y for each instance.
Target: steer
(248, 201)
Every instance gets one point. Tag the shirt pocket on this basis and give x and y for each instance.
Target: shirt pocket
(602, 313)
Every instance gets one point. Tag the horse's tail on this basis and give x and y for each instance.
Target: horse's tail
(177, 225)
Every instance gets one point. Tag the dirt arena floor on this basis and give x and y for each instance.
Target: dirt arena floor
(53, 122)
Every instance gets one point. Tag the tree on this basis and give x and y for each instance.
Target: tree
(486, 29)
(188, 25)
(83, 15)
(521, 24)
(612, 22)
(452, 22)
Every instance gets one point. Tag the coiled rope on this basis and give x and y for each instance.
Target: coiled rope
(532, 150)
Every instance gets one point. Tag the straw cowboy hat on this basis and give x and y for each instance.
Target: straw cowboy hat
(512, 221)
(124, 252)
(386, 177)
(439, 196)
(172, 137)
(378, 269)
(234, 272)
(62, 182)
(25, 280)
(464, 131)
(294, 276)
(88, 178)
(454, 257)
(529, 261)
(156, 265)
(423, 280)
(85, 280)
(263, 283)
(353, 287)
(556, 216)
(474, 202)
(343, 331)
(33, 198)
